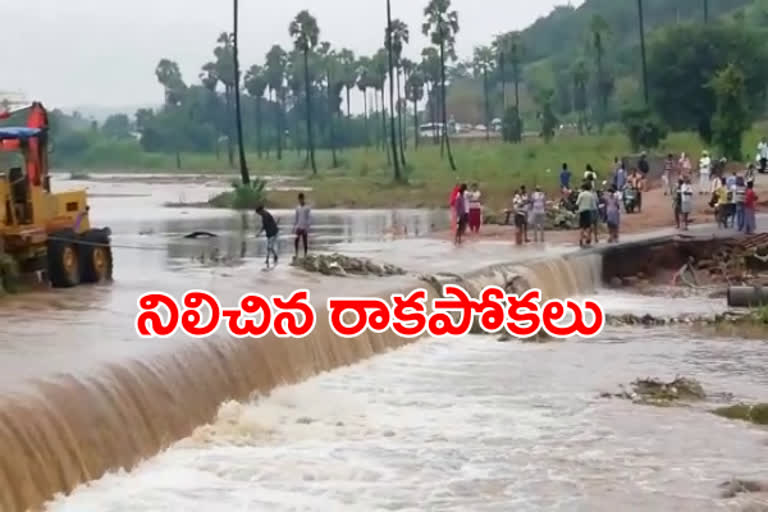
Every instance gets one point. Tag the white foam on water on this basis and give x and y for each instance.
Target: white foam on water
(459, 425)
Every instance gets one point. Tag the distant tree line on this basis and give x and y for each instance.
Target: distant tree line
(705, 69)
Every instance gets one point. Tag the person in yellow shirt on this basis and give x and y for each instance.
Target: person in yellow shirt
(721, 206)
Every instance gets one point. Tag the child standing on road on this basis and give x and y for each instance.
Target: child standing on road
(301, 225)
(269, 226)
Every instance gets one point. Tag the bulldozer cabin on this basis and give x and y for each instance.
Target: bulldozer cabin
(45, 233)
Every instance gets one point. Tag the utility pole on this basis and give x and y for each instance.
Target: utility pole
(243, 165)
(706, 11)
(642, 49)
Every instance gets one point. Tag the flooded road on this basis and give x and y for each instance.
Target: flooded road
(471, 424)
(137, 213)
(82, 327)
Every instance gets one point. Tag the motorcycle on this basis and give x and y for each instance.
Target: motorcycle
(630, 199)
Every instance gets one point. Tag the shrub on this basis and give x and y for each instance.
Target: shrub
(644, 129)
(248, 197)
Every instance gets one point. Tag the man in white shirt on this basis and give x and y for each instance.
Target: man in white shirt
(301, 225)
(762, 151)
(705, 168)
(539, 214)
(686, 202)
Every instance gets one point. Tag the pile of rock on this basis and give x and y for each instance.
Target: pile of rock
(647, 320)
(557, 218)
(561, 218)
(340, 265)
(656, 392)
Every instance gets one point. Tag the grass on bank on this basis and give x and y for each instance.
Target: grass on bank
(364, 177)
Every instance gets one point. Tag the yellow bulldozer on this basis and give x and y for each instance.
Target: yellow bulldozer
(46, 233)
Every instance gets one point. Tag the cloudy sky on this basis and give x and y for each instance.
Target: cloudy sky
(103, 52)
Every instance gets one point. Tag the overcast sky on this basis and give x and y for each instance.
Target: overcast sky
(103, 52)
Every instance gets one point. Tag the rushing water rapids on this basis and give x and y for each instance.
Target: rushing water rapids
(468, 424)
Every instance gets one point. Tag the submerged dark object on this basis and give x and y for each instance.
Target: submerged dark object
(201, 234)
(747, 296)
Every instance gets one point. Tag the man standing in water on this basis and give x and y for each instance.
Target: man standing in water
(269, 226)
(301, 225)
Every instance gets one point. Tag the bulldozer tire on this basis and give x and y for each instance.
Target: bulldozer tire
(63, 260)
(95, 256)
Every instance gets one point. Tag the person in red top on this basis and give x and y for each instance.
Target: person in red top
(750, 204)
(452, 205)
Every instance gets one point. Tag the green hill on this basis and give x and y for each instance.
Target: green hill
(555, 43)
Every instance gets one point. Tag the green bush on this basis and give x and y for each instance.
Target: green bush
(644, 129)
(248, 197)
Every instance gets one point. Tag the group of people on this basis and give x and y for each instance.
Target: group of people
(300, 228)
(602, 202)
(466, 210)
(732, 197)
(530, 210)
(735, 203)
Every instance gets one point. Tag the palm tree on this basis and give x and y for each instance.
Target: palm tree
(305, 33)
(430, 66)
(483, 64)
(335, 84)
(441, 26)
(392, 55)
(414, 92)
(225, 70)
(400, 36)
(580, 97)
(509, 49)
(641, 22)
(349, 73)
(275, 71)
(169, 76)
(295, 81)
(408, 67)
(599, 29)
(363, 82)
(256, 84)
(210, 80)
(378, 77)
(238, 117)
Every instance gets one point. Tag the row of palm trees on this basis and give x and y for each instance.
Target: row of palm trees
(340, 72)
(344, 72)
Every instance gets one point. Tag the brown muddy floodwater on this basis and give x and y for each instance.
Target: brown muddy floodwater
(454, 425)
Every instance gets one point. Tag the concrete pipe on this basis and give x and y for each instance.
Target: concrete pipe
(747, 296)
